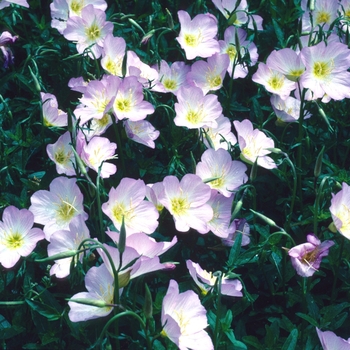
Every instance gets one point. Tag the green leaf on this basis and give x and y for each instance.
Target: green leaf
(307, 318)
(45, 310)
(235, 250)
(237, 345)
(291, 341)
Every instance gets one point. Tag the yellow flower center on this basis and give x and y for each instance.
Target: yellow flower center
(214, 81)
(194, 117)
(231, 51)
(76, 6)
(13, 240)
(66, 211)
(61, 157)
(323, 17)
(191, 40)
(276, 81)
(93, 32)
(344, 216)
(295, 74)
(114, 67)
(123, 105)
(169, 84)
(103, 121)
(322, 70)
(179, 206)
(119, 210)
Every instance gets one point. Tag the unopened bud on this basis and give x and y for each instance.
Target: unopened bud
(318, 165)
(148, 305)
(123, 279)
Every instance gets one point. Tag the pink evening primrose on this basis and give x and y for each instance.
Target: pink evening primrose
(96, 127)
(127, 200)
(206, 281)
(52, 116)
(113, 54)
(184, 319)
(210, 75)
(61, 153)
(100, 285)
(287, 62)
(171, 78)
(220, 136)
(238, 226)
(219, 225)
(253, 144)
(56, 208)
(306, 258)
(236, 12)
(340, 210)
(288, 110)
(197, 36)
(186, 201)
(17, 237)
(331, 341)
(273, 80)
(97, 98)
(326, 70)
(132, 265)
(129, 102)
(145, 74)
(95, 154)
(229, 46)
(63, 241)
(218, 164)
(89, 30)
(196, 110)
(323, 14)
(144, 244)
(5, 39)
(61, 10)
(6, 3)
(142, 132)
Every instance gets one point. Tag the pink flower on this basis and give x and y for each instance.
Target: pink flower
(218, 164)
(197, 35)
(100, 285)
(236, 10)
(273, 80)
(129, 102)
(326, 70)
(56, 208)
(52, 116)
(145, 74)
(97, 98)
(187, 202)
(219, 225)
(323, 14)
(306, 258)
(239, 69)
(253, 144)
(340, 210)
(144, 244)
(184, 319)
(62, 155)
(63, 241)
(171, 78)
(287, 110)
(331, 341)
(210, 75)
(195, 110)
(113, 54)
(220, 136)
(128, 200)
(206, 281)
(89, 30)
(17, 237)
(142, 132)
(132, 263)
(238, 226)
(287, 62)
(5, 39)
(95, 154)
(5, 3)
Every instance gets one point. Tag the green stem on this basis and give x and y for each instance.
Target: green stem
(336, 273)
